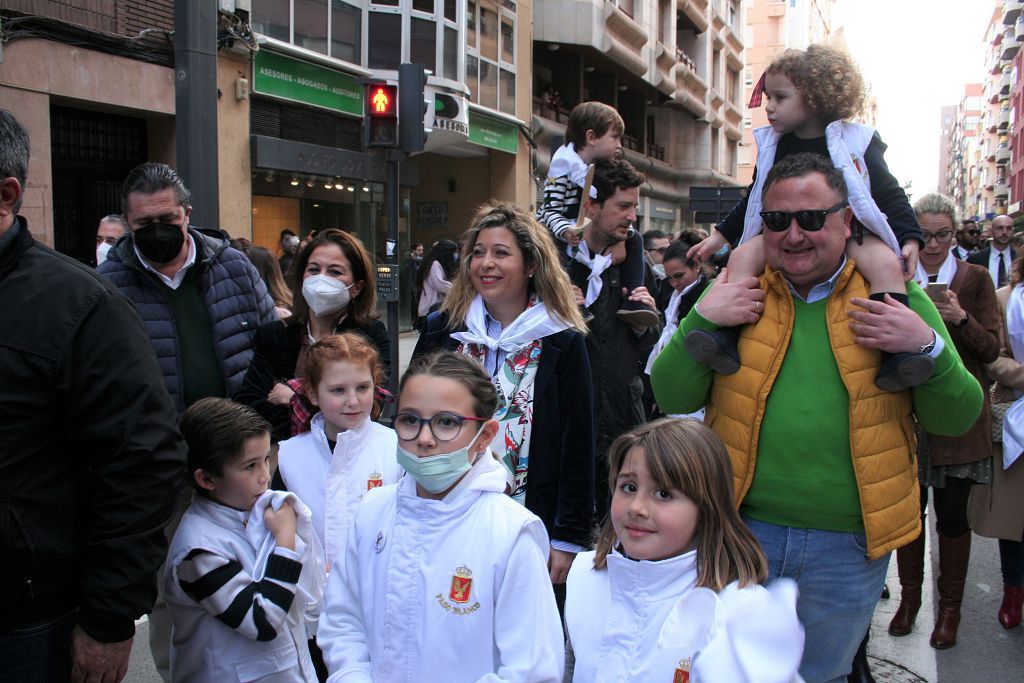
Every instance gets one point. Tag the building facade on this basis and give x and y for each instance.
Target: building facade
(672, 68)
(95, 84)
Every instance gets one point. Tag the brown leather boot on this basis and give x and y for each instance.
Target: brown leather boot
(954, 554)
(910, 562)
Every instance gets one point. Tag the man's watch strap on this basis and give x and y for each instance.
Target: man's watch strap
(930, 346)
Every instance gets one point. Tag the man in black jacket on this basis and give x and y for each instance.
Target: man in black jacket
(89, 456)
(616, 350)
(1000, 255)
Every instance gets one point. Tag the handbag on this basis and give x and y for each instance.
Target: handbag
(998, 405)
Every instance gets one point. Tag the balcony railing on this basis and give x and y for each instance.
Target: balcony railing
(1011, 11)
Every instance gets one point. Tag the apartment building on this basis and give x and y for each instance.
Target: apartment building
(673, 70)
(964, 141)
(991, 188)
(1013, 15)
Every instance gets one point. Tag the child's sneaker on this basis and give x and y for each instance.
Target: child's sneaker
(637, 314)
(716, 349)
(901, 371)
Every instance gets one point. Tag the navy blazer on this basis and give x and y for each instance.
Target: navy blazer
(560, 480)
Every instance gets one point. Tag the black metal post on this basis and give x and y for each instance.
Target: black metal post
(195, 102)
(392, 200)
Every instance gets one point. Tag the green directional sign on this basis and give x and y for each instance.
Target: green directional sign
(490, 132)
(292, 79)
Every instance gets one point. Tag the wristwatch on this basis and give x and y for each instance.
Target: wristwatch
(963, 320)
(930, 346)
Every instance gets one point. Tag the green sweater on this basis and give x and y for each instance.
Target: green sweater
(200, 368)
(804, 474)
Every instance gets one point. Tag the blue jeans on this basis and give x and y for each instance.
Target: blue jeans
(40, 653)
(838, 586)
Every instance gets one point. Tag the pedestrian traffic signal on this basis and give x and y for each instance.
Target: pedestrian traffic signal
(380, 125)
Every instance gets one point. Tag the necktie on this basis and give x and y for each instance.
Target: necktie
(1001, 273)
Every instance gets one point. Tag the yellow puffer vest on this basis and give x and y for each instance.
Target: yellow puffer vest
(882, 439)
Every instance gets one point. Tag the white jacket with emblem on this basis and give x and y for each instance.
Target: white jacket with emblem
(443, 590)
(333, 484)
(641, 620)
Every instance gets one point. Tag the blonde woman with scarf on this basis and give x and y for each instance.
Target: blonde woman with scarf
(512, 308)
(950, 466)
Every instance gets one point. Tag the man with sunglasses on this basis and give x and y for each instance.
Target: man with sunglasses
(823, 460)
(966, 239)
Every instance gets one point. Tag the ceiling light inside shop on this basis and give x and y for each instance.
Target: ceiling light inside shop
(328, 184)
(310, 182)
(365, 188)
(351, 189)
(338, 185)
(294, 181)
(269, 176)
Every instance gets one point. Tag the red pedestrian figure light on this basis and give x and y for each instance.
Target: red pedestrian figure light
(382, 100)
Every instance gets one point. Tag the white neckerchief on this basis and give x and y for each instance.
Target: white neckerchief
(597, 264)
(1013, 421)
(946, 271)
(671, 324)
(532, 324)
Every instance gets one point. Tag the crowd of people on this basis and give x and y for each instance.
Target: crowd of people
(613, 455)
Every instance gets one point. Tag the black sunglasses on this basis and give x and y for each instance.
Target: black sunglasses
(810, 220)
(973, 232)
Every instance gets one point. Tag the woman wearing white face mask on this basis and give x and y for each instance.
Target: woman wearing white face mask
(334, 291)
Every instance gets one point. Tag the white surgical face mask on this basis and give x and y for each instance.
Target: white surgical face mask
(101, 252)
(437, 473)
(659, 270)
(325, 295)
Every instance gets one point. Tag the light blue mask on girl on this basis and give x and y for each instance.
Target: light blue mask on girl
(437, 473)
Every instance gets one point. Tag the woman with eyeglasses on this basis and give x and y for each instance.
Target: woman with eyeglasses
(512, 309)
(965, 298)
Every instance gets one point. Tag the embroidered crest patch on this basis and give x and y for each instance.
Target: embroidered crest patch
(374, 480)
(462, 585)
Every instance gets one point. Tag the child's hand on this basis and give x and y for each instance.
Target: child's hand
(281, 524)
(572, 238)
(280, 395)
(909, 252)
(707, 247)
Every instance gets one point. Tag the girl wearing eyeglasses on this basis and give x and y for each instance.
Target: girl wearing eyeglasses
(512, 309)
(444, 578)
(812, 94)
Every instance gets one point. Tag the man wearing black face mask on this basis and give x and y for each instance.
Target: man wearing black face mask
(201, 302)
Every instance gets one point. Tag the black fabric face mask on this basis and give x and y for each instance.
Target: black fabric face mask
(159, 242)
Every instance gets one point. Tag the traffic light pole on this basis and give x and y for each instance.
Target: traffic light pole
(392, 203)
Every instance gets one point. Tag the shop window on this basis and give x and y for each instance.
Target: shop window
(311, 25)
(385, 40)
(423, 43)
(346, 32)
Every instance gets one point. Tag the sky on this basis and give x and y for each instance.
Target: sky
(917, 56)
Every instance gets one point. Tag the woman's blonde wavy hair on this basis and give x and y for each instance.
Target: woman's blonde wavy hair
(550, 282)
(827, 79)
(687, 456)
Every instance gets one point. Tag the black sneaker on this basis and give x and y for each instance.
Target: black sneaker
(901, 371)
(716, 349)
(637, 314)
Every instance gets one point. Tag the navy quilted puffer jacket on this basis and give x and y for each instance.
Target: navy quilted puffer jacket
(233, 291)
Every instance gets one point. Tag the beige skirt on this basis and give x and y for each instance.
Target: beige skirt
(996, 510)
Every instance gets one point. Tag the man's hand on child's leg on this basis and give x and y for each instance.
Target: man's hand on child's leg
(910, 257)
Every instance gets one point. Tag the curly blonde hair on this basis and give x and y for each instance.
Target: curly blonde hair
(827, 79)
(550, 282)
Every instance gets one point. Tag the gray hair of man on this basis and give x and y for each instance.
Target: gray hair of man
(14, 152)
(118, 219)
(933, 202)
(152, 177)
(804, 163)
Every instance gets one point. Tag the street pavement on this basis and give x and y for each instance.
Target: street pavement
(985, 652)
